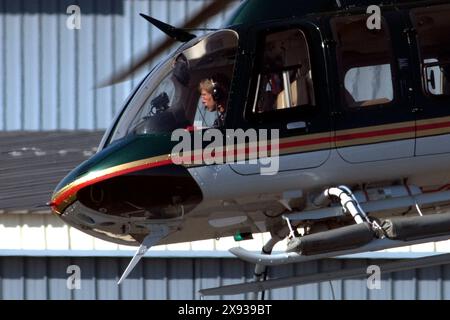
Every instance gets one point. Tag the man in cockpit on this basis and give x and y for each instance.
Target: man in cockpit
(214, 98)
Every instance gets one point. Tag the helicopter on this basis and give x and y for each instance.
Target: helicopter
(359, 143)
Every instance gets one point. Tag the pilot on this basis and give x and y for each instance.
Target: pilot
(214, 98)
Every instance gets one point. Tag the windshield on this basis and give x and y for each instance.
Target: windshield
(189, 90)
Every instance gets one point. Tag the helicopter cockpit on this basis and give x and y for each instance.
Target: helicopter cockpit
(169, 98)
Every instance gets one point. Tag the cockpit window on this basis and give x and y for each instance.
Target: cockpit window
(365, 62)
(285, 79)
(188, 91)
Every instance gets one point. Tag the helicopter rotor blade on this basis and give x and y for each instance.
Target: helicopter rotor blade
(174, 33)
(209, 11)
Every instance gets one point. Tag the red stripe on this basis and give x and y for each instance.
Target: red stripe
(351, 136)
(372, 134)
(76, 188)
(433, 126)
(306, 142)
(344, 137)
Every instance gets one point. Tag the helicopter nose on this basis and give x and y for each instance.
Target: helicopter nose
(159, 193)
(133, 178)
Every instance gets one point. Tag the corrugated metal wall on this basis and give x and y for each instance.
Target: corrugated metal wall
(45, 232)
(48, 71)
(46, 278)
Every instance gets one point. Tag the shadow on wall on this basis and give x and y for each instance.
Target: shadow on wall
(60, 6)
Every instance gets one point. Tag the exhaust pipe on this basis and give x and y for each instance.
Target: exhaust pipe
(344, 238)
(415, 228)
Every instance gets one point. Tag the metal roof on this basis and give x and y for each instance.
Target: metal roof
(32, 164)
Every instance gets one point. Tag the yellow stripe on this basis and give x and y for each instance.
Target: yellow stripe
(372, 140)
(433, 121)
(313, 147)
(376, 128)
(96, 174)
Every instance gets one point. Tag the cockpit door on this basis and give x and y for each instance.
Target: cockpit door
(288, 94)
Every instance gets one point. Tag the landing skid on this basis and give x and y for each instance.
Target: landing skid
(293, 257)
(364, 236)
(265, 260)
(260, 286)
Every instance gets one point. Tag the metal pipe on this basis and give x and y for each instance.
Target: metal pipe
(348, 203)
(395, 203)
(378, 205)
(261, 270)
(287, 258)
(322, 200)
(287, 89)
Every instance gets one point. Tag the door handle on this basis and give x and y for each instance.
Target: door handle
(296, 125)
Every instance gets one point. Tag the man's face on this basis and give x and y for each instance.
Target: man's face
(208, 101)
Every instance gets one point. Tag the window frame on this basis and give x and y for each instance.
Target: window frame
(419, 51)
(286, 114)
(337, 53)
